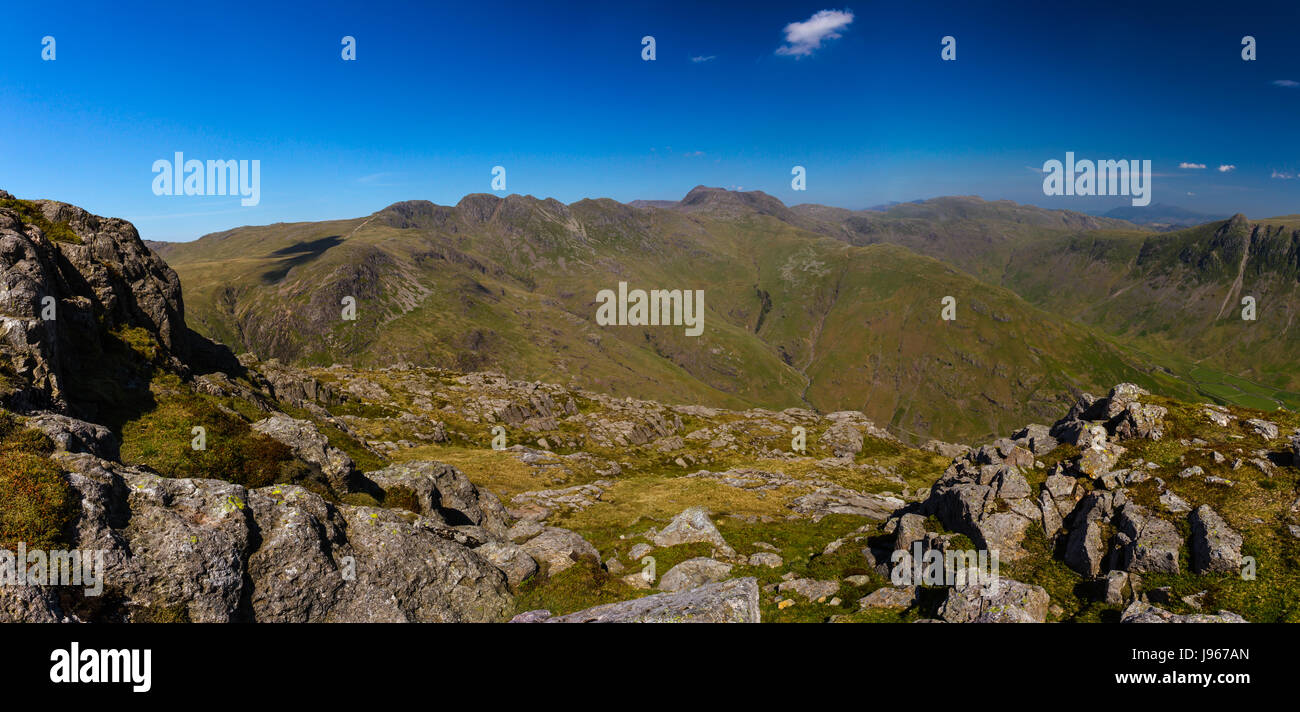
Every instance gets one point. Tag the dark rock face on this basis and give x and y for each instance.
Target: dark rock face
(108, 281)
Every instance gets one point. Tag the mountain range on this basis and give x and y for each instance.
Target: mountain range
(806, 306)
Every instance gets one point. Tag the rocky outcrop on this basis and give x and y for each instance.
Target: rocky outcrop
(734, 601)
(442, 492)
(1005, 601)
(694, 573)
(984, 495)
(1143, 612)
(560, 549)
(212, 551)
(693, 525)
(67, 278)
(1145, 542)
(1121, 414)
(307, 443)
(1216, 548)
(320, 562)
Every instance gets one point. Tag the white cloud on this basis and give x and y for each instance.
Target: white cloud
(1227, 168)
(804, 38)
(1289, 83)
(701, 59)
(1191, 166)
(1281, 175)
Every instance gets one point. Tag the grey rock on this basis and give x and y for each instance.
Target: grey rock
(559, 549)
(1153, 544)
(1263, 428)
(911, 528)
(734, 601)
(74, 436)
(306, 442)
(443, 492)
(694, 573)
(842, 439)
(523, 530)
(811, 589)
(1143, 612)
(319, 562)
(1173, 503)
(511, 559)
(889, 597)
(110, 281)
(1084, 550)
(1006, 601)
(693, 525)
(1216, 548)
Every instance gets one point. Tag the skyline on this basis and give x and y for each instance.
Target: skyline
(735, 98)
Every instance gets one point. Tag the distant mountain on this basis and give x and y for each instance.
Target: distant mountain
(1161, 217)
(804, 306)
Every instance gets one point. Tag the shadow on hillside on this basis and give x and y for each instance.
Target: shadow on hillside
(299, 254)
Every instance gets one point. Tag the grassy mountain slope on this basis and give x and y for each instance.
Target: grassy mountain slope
(794, 316)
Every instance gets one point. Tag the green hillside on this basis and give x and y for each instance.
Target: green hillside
(794, 317)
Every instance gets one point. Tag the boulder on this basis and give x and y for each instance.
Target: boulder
(1150, 545)
(843, 440)
(102, 279)
(694, 573)
(74, 436)
(734, 601)
(1143, 612)
(693, 525)
(511, 559)
(441, 491)
(1216, 548)
(811, 589)
(1003, 601)
(307, 443)
(889, 597)
(208, 550)
(559, 549)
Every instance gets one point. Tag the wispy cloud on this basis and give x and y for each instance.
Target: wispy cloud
(804, 38)
(1227, 168)
(1191, 166)
(1282, 175)
(380, 179)
(1288, 83)
(702, 59)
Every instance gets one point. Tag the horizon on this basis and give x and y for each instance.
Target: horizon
(883, 209)
(564, 101)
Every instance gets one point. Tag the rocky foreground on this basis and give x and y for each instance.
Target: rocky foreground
(234, 489)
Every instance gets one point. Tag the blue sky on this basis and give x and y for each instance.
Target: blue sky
(558, 94)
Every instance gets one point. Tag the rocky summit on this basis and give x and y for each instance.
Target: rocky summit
(200, 485)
